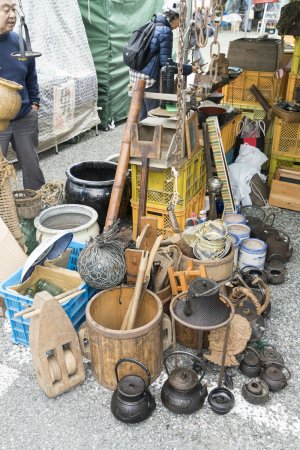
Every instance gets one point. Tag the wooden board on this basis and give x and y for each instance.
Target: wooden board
(285, 195)
(220, 161)
(288, 175)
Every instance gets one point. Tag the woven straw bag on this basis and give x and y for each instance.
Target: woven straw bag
(10, 102)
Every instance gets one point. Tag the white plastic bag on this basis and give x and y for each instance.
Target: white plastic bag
(252, 156)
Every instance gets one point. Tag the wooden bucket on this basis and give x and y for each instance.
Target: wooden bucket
(216, 270)
(104, 316)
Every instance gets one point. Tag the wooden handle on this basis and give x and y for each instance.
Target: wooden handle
(151, 259)
(143, 191)
(134, 304)
(118, 186)
(36, 312)
(63, 297)
(69, 297)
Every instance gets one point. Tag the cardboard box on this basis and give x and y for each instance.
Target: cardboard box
(63, 278)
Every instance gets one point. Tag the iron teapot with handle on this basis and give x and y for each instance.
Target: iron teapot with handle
(182, 392)
(132, 402)
(250, 364)
(274, 377)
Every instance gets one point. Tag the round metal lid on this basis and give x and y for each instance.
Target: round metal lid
(251, 359)
(131, 385)
(274, 373)
(183, 379)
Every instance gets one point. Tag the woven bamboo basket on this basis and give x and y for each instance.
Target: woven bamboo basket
(10, 102)
(8, 211)
(28, 203)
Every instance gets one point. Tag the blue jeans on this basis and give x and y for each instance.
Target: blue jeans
(148, 103)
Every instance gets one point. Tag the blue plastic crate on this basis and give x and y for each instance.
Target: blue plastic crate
(74, 308)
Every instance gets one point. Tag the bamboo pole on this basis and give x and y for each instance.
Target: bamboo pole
(118, 186)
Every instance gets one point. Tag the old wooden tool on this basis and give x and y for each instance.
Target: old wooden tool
(145, 241)
(120, 177)
(145, 150)
(180, 280)
(61, 298)
(142, 282)
(54, 347)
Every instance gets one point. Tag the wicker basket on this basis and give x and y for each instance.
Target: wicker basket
(10, 102)
(28, 203)
(8, 211)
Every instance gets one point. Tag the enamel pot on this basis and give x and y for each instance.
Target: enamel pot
(182, 392)
(132, 401)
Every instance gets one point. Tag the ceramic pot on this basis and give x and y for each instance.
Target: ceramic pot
(90, 183)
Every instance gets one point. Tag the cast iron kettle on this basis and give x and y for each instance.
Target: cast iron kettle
(274, 377)
(132, 401)
(182, 392)
(269, 354)
(250, 364)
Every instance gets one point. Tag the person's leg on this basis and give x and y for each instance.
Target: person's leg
(25, 144)
(148, 103)
(5, 137)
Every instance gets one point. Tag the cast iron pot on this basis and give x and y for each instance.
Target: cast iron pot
(132, 401)
(256, 392)
(221, 400)
(182, 392)
(90, 183)
(250, 364)
(274, 377)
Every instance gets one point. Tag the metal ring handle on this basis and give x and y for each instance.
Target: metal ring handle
(138, 363)
(271, 214)
(181, 352)
(274, 363)
(254, 351)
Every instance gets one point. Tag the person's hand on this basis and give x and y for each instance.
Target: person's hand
(35, 107)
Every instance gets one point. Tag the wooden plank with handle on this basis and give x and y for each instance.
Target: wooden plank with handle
(145, 150)
(120, 177)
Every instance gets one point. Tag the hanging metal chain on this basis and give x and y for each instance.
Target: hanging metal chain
(201, 23)
(180, 87)
(215, 45)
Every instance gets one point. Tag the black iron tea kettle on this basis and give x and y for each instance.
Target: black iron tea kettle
(132, 401)
(182, 392)
(250, 364)
(274, 377)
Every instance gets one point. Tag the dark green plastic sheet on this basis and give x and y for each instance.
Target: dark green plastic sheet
(109, 24)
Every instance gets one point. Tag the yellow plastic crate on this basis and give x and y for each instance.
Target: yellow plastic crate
(252, 111)
(282, 162)
(293, 83)
(228, 133)
(161, 214)
(192, 177)
(238, 91)
(286, 139)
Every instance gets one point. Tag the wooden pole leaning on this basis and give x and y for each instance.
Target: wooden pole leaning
(118, 186)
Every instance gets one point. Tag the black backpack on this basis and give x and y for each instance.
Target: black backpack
(136, 54)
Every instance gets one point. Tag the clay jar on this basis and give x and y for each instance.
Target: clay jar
(90, 183)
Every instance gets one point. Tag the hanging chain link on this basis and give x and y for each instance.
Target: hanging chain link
(201, 23)
(180, 106)
(215, 45)
(180, 87)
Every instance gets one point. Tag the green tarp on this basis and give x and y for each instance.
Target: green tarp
(109, 24)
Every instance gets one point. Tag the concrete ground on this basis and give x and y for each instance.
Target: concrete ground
(81, 418)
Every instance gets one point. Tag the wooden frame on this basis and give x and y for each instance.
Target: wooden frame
(192, 134)
(288, 175)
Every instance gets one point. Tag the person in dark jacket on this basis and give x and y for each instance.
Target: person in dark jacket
(22, 132)
(161, 48)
